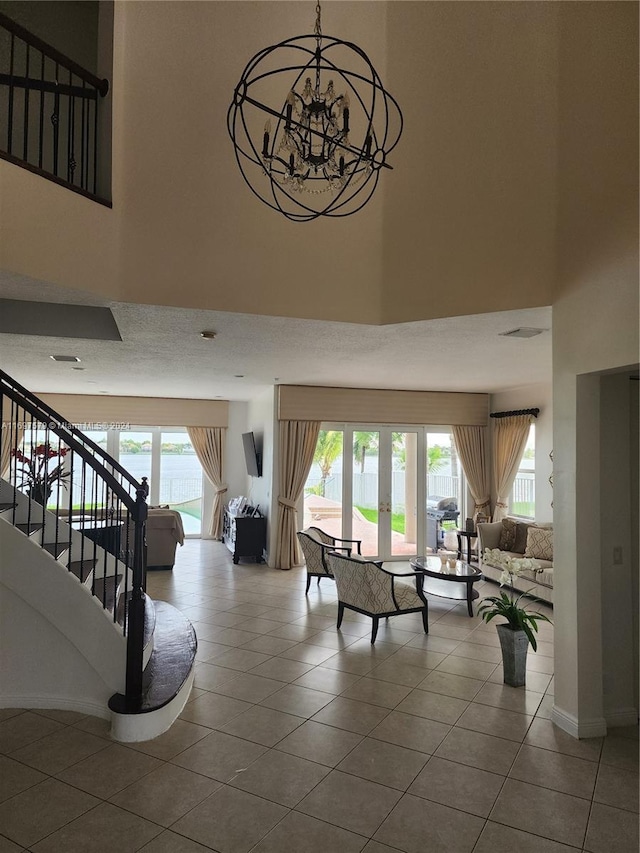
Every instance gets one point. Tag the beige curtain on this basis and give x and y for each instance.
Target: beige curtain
(509, 441)
(208, 443)
(297, 444)
(471, 446)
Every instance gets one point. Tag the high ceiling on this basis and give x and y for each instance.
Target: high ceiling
(162, 354)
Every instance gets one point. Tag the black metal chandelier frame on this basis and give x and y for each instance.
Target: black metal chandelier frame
(320, 158)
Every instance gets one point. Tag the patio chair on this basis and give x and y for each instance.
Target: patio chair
(366, 587)
(315, 543)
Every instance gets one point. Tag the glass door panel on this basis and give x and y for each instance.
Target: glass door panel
(323, 489)
(181, 480)
(366, 498)
(444, 491)
(135, 452)
(403, 514)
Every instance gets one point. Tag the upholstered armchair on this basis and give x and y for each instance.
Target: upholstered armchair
(366, 587)
(315, 543)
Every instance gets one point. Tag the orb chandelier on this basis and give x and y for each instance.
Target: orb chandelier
(312, 126)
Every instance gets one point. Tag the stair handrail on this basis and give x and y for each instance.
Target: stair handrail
(46, 413)
(101, 85)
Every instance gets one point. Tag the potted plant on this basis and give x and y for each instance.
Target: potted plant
(521, 625)
(38, 475)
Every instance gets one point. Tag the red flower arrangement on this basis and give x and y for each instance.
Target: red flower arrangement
(36, 474)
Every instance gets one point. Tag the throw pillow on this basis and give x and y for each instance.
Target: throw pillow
(539, 543)
(521, 537)
(507, 534)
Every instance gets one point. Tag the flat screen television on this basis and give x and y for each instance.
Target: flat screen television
(251, 455)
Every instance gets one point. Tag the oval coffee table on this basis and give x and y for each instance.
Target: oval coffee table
(449, 583)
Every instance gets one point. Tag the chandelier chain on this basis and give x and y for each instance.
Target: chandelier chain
(318, 27)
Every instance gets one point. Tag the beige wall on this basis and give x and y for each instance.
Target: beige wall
(595, 322)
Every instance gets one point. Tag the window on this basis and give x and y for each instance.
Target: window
(522, 500)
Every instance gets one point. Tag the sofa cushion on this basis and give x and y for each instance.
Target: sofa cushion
(539, 543)
(544, 577)
(520, 544)
(507, 534)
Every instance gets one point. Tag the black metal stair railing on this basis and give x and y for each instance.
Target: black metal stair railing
(49, 111)
(74, 484)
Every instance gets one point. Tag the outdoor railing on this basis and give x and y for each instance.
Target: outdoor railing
(50, 110)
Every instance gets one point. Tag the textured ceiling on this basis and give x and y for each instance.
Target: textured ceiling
(162, 353)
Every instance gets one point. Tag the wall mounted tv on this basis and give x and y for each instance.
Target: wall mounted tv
(251, 455)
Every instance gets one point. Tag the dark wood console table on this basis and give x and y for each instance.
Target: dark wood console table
(244, 535)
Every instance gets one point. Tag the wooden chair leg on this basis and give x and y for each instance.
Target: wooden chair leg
(308, 584)
(340, 614)
(425, 620)
(374, 629)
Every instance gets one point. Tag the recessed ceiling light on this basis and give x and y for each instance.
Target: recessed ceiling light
(208, 336)
(239, 375)
(78, 368)
(64, 357)
(523, 332)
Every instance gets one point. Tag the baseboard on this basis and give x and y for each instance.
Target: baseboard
(621, 717)
(579, 729)
(47, 704)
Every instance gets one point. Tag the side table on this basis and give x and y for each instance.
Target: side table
(468, 535)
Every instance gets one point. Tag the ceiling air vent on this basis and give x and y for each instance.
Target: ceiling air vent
(522, 332)
(73, 358)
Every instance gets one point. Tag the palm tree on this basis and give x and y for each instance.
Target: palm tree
(328, 449)
(362, 442)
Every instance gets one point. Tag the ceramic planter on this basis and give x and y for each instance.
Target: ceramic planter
(514, 644)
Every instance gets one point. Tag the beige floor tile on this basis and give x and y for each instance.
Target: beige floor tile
(300, 832)
(213, 710)
(398, 673)
(22, 729)
(385, 763)
(536, 681)
(15, 778)
(262, 725)
(220, 756)
(551, 814)
(332, 639)
(327, 680)
(347, 662)
(510, 698)
(617, 787)
(434, 706)
(250, 609)
(411, 732)
(208, 676)
(233, 637)
(478, 750)
(383, 693)
(377, 847)
(301, 701)
(180, 736)
(611, 829)
(556, 771)
(307, 653)
(317, 742)
(431, 643)
(351, 803)
(478, 651)
(170, 842)
(59, 750)
(101, 830)
(495, 721)
(240, 659)
(449, 684)
(451, 784)
(478, 669)
(448, 632)
(268, 645)
(545, 707)
(299, 633)
(7, 846)
(280, 777)
(7, 713)
(41, 810)
(249, 687)
(417, 825)
(616, 751)
(358, 717)
(165, 794)
(282, 670)
(230, 820)
(109, 770)
(98, 726)
(544, 734)
(67, 718)
(496, 838)
(380, 651)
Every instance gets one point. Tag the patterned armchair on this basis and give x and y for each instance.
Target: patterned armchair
(364, 586)
(315, 543)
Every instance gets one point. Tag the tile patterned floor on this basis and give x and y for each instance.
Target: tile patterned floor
(301, 739)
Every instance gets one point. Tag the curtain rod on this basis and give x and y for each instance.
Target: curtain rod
(534, 412)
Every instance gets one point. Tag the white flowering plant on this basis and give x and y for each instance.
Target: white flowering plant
(506, 605)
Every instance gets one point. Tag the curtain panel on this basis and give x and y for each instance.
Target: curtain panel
(297, 445)
(12, 435)
(471, 446)
(208, 443)
(510, 436)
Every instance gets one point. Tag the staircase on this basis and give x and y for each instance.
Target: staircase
(79, 631)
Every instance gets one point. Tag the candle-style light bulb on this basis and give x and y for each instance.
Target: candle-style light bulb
(265, 138)
(290, 102)
(345, 112)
